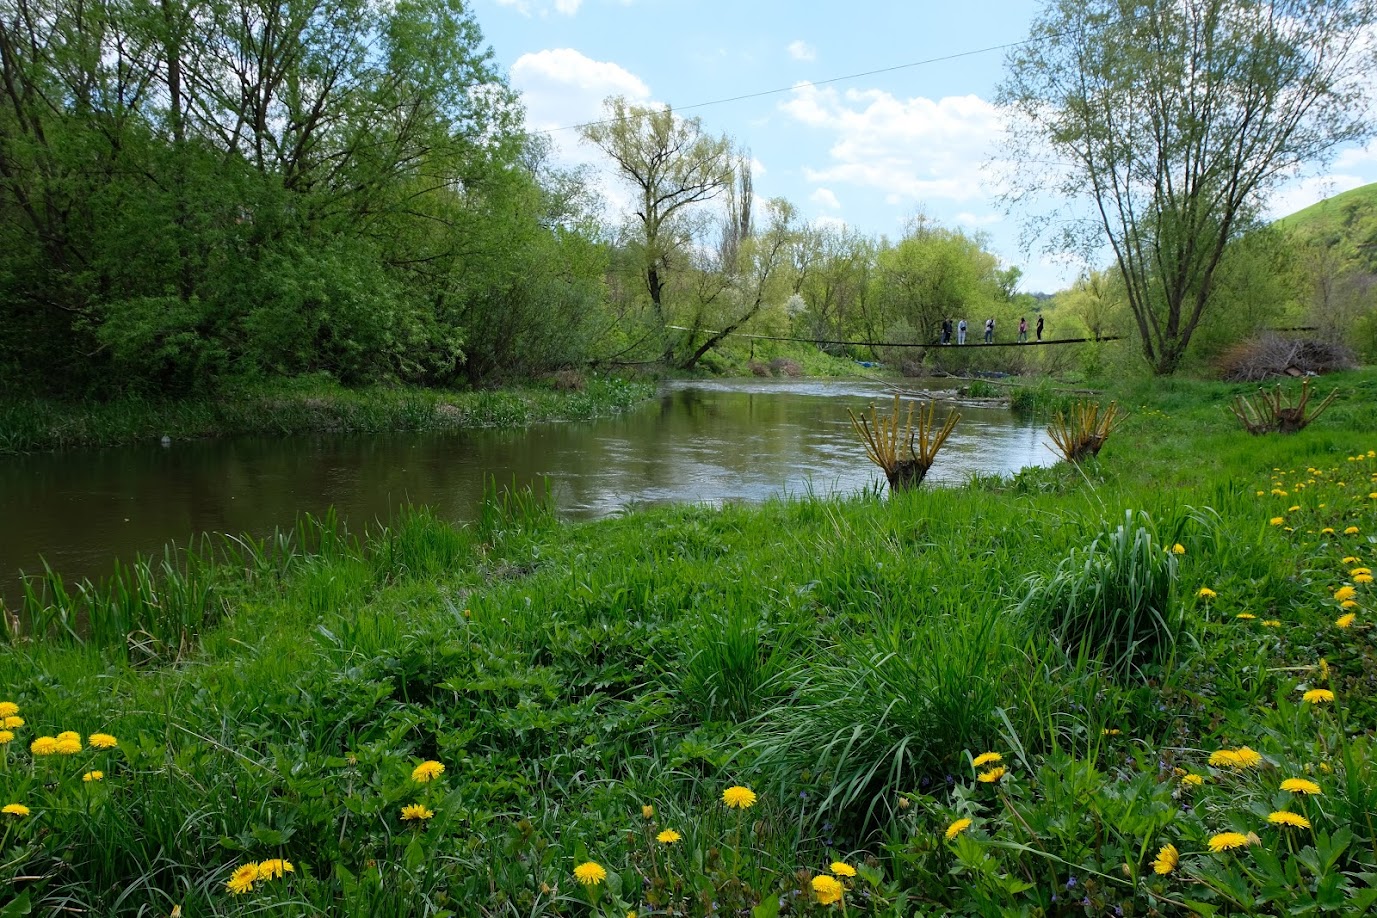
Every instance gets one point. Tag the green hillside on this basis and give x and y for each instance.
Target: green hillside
(1347, 222)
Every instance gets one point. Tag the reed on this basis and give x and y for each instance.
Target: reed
(904, 451)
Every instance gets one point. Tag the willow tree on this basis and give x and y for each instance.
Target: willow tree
(1174, 119)
(672, 165)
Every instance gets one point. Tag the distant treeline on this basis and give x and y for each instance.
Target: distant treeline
(192, 190)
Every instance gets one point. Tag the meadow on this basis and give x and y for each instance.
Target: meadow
(1144, 685)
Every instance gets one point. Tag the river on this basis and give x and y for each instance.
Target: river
(695, 442)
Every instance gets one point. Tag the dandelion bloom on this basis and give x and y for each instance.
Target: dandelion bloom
(842, 869)
(1193, 780)
(416, 811)
(69, 735)
(1324, 670)
(956, 828)
(1277, 520)
(427, 771)
(827, 889)
(986, 758)
(1110, 731)
(8, 709)
(1206, 593)
(1351, 560)
(1300, 786)
(241, 881)
(44, 745)
(15, 809)
(1178, 549)
(648, 811)
(93, 776)
(590, 873)
(1317, 696)
(1167, 859)
(738, 797)
(1360, 570)
(1357, 578)
(276, 867)
(991, 776)
(1351, 530)
(1271, 623)
(1345, 592)
(102, 741)
(1246, 616)
(668, 837)
(1247, 758)
(68, 745)
(1226, 841)
(5, 737)
(12, 723)
(1294, 820)
(1345, 620)
(1328, 530)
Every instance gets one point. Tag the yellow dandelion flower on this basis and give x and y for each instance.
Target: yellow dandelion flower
(1345, 592)
(1246, 616)
(68, 745)
(44, 745)
(1277, 520)
(1178, 549)
(1352, 560)
(1328, 530)
(1247, 758)
(96, 775)
(13, 722)
(957, 827)
(1271, 623)
(1360, 570)
(1226, 841)
(590, 873)
(427, 771)
(1294, 820)
(416, 811)
(5, 737)
(986, 758)
(1167, 859)
(1193, 780)
(15, 809)
(1224, 758)
(242, 880)
(1206, 593)
(842, 869)
(1293, 509)
(648, 812)
(8, 709)
(1357, 578)
(1326, 768)
(1324, 670)
(827, 890)
(1351, 530)
(1348, 604)
(993, 775)
(102, 741)
(274, 868)
(1110, 731)
(1300, 786)
(69, 735)
(1318, 696)
(738, 797)
(668, 837)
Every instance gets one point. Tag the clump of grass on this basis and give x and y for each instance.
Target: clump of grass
(735, 665)
(1271, 414)
(1112, 599)
(1085, 431)
(904, 452)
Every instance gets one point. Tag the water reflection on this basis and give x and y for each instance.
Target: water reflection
(696, 442)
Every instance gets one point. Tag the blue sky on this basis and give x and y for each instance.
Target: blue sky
(871, 151)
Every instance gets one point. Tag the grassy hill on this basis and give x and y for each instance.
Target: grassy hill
(1347, 222)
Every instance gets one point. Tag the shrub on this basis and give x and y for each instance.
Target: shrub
(1112, 598)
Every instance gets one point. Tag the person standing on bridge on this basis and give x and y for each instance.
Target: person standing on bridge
(1022, 329)
(989, 330)
(961, 332)
(946, 331)
(1039, 328)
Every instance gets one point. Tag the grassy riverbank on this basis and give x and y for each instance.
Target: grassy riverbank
(302, 406)
(845, 660)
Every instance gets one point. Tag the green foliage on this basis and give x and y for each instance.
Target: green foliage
(1112, 599)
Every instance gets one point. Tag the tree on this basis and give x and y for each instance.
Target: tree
(1174, 118)
(672, 164)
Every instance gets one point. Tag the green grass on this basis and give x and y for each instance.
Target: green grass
(301, 406)
(1345, 222)
(846, 659)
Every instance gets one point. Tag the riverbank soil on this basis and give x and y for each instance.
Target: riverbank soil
(1141, 686)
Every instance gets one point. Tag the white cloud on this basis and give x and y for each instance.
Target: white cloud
(915, 150)
(528, 7)
(568, 7)
(970, 219)
(800, 50)
(824, 197)
(561, 86)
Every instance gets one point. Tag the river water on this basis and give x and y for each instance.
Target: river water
(695, 442)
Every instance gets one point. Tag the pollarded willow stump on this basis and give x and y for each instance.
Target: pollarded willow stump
(906, 474)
